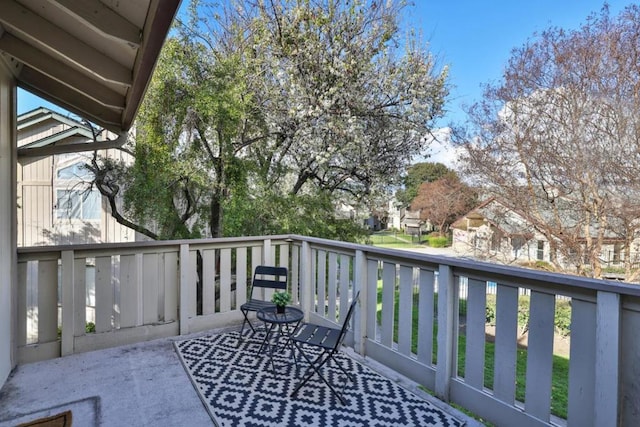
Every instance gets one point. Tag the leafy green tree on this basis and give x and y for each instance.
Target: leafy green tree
(263, 116)
(418, 174)
(188, 142)
(353, 109)
(307, 214)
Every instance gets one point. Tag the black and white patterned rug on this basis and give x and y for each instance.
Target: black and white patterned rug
(238, 387)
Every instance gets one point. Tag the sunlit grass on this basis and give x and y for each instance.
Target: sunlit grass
(393, 240)
(560, 367)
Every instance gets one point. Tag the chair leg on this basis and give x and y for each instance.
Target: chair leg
(267, 337)
(347, 374)
(314, 368)
(244, 321)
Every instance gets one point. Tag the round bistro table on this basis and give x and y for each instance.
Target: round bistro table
(279, 327)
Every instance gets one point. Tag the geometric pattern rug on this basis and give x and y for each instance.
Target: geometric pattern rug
(239, 388)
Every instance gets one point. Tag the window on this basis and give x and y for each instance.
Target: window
(540, 250)
(78, 204)
(617, 251)
(75, 171)
(517, 243)
(496, 240)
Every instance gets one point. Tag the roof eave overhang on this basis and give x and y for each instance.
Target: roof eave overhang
(86, 72)
(146, 61)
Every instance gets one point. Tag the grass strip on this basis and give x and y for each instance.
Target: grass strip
(560, 367)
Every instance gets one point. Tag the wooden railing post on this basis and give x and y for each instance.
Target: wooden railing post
(21, 305)
(104, 293)
(69, 303)
(295, 273)
(607, 358)
(267, 253)
(581, 398)
(446, 332)
(187, 301)
(306, 294)
(360, 284)
(540, 355)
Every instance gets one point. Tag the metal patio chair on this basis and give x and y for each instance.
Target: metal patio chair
(328, 341)
(264, 277)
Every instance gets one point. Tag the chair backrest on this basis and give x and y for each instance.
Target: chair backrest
(266, 276)
(345, 325)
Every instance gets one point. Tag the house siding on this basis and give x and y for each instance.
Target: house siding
(38, 186)
(504, 236)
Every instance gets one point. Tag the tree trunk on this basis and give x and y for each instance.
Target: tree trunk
(215, 223)
(302, 178)
(627, 255)
(595, 253)
(111, 191)
(216, 218)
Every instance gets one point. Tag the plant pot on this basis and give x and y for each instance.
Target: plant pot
(280, 309)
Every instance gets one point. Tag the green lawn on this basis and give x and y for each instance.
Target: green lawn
(559, 380)
(560, 369)
(394, 240)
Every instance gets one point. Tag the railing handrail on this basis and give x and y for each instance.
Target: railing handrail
(499, 271)
(147, 244)
(461, 265)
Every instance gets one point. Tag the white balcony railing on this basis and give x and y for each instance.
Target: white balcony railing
(141, 291)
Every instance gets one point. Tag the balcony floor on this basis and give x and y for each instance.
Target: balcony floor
(142, 384)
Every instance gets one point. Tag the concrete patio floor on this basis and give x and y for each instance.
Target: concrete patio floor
(142, 384)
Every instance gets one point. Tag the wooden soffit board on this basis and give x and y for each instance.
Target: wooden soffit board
(92, 57)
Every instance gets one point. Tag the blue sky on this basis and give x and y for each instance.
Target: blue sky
(473, 37)
(476, 37)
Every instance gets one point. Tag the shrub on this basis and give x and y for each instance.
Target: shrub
(562, 318)
(437, 241)
(538, 265)
(89, 328)
(490, 316)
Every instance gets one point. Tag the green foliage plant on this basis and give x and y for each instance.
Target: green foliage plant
(281, 299)
(89, 328)
(437, 241)
(269, 212)
(416, 175)
(562, 317)
(264, 117)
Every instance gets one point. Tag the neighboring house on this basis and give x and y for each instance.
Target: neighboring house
(494, 231)
(491, 230)
(411, 223)
(345, 211)
(395, 214)
(377, 220)
(56, 204)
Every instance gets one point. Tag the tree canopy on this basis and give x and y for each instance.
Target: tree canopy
(559, 137)
(262, 116)
(416, 175)
(443, 200)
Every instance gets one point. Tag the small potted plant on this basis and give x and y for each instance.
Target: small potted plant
(281, 299)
